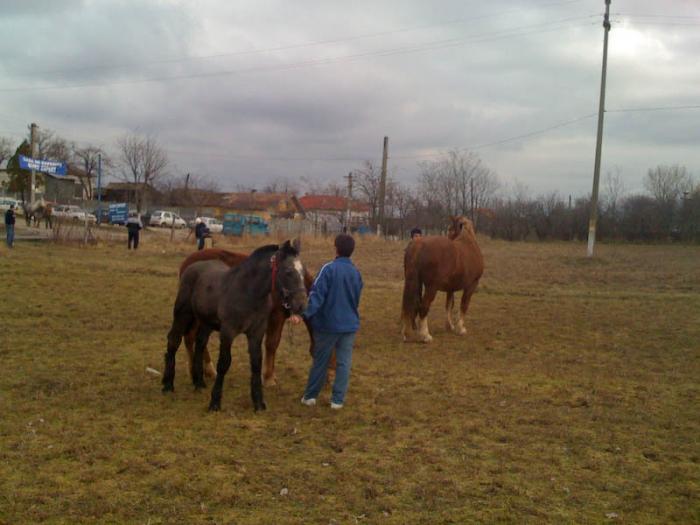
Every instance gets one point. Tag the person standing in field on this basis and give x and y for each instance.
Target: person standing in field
(10, 226)
(333, 312)
(134, 226)
(201, 232)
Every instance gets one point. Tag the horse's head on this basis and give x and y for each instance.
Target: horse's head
(460, 225)
(289, 280)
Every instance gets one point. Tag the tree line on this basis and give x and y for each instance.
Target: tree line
(458, 183)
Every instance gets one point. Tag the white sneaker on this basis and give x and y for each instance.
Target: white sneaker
(309, 402)
(335, 406)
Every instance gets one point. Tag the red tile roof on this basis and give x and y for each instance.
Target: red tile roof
(331, 203)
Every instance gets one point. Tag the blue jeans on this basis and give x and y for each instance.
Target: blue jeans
(324, 343)
(10, 234)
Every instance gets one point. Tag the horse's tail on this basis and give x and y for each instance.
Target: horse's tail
(412, 286)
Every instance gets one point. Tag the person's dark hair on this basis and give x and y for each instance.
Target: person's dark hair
(415, 231)
(344, 245)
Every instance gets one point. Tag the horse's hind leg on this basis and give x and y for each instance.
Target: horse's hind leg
(273, 336)
(428, 297)
(449, 308)
(464, 306)
(181, 324)
(200, 344)
(209, 370)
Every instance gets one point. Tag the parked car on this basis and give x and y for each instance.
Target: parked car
(214, 225)
(6, 202)
(73, 213)
(166, 219)
(102, 213)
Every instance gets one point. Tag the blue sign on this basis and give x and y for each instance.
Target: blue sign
(45, 166)
(118, 213)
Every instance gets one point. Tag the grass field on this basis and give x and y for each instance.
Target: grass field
(573, 398)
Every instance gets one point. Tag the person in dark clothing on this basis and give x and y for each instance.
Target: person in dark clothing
(416, 233)
(333, 313)
(10, 226)
(201, 232)
(133, 225)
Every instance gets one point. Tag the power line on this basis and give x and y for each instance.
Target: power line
(429, 46)
(660, 108)
(297, 46)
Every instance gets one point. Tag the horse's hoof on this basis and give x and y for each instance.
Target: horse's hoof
(426, 338)
(462, 331)
(214, 407)
(168, 388)
(261, 406)
(199, 386)
(210, 372)
(270, 381)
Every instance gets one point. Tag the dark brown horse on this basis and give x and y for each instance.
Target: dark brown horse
(275, 325)
(446, 264)
(234, 300)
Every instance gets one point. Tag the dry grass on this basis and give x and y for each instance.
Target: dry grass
(574, 398)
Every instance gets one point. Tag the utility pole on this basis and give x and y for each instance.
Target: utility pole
(99, 188)
(348, 212)
(599, 142)
(32, 138)
(382, 189)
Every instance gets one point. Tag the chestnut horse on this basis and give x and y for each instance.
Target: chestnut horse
(275, 324)
(447, 264)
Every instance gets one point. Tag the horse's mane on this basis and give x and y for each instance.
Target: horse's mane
(264, 251)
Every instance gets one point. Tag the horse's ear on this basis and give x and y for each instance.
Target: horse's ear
(296, 244)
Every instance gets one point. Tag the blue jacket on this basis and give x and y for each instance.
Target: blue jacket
(335, 297)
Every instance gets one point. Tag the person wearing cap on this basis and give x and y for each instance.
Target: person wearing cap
(201, 232)
(10, 226)
(416, 233)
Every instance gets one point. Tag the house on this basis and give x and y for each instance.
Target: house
(265, 205)
(330, 211)
(130, 192)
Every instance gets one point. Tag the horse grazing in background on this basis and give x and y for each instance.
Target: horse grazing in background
(447, 264)
(275, 324)
(37, 211)
(234, 300)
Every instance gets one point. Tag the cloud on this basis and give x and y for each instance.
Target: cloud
(283, 89)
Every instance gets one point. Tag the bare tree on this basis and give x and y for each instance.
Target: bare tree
(668, 183)
(143, 162)
(458, 184)
(51, 146)
(6, 149)
(281, 185)
(87, 161)
(367, 180)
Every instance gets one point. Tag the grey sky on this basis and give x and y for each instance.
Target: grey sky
(249, 91)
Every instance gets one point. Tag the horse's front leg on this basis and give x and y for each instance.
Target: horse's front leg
(464, 306)
(426, 301)
(222, 366)
(273, 336)
(255, 353)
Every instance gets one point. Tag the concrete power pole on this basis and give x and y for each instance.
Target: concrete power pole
(348, 213)
(32, 139)
(592, 223)
(382, 189)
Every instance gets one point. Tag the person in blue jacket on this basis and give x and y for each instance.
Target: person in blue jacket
(201, 232)
(333, 312)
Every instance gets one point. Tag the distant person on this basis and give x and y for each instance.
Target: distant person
(134, 226)
(333, 312)
(201, 232)
(10, 226)
(416, 233)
